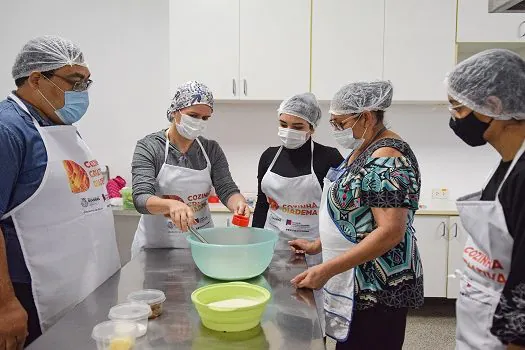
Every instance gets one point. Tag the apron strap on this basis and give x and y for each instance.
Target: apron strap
(312, 159)
(514, 161)
(167, 148)
(24, 108)
(204, 152)
(275, 158)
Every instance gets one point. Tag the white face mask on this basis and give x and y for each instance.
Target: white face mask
(345, 138)
(190, 128)
(292, 138)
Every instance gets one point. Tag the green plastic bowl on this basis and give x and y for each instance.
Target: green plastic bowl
(230, 319)
(233, 253)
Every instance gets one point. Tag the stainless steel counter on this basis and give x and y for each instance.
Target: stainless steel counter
(290, 320)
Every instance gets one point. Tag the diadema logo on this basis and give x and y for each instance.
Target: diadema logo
(84, 202)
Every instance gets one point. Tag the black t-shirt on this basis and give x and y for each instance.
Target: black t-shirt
(509, 319)
(292, 163)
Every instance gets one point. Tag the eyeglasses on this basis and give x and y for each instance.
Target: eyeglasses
(453, 109)
(340, 125)
(79, 86)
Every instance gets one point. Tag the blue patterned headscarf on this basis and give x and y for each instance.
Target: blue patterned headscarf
(189, 94)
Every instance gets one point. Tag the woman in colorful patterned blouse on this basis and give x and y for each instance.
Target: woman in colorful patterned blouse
(371, 271)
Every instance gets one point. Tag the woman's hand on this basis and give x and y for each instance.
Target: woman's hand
(302, 246)
(313, 278)
(242, 208)
(181, 215)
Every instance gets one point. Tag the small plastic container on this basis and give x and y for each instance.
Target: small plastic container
(127, 198)
(135, 312)
(240, 220)
(153, 297)
(115, 335)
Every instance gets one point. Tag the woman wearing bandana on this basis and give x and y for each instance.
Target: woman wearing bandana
(174, 171)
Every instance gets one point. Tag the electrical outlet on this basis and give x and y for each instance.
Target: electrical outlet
(440, 193)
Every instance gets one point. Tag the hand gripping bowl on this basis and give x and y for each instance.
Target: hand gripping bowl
(233, 253)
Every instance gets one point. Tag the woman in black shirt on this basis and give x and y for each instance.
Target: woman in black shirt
(486, 95)
(290, 178)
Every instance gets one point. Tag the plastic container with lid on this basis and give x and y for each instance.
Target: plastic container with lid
(153, 297)
(135, 312)
(240, 220)
(115, 335)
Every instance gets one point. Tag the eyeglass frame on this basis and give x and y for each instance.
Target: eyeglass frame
(453, 109)
(78, 86)
(339, 126)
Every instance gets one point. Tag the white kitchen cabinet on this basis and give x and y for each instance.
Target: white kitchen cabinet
(221, 219)
(419, 51)
(249, 49)
(274, 48)
(476, 24)
(456, 244)
(432, 241)
(204, 45)
(347, 43)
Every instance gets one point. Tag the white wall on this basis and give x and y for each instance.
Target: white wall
(125, 43)
(246, 130)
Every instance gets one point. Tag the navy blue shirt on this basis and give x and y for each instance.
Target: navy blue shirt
(23, 161)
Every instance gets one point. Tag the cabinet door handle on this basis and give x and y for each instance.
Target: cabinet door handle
(234, 87)
(444, 228)
(245, 88)
(228, 222)
(455, 230)
(521, 33)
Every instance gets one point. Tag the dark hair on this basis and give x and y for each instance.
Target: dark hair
(380, 116)
(21, 81)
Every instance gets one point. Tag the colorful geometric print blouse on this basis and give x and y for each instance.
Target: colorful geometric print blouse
(394, 279)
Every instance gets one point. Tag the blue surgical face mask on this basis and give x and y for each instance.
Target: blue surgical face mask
(76, 104)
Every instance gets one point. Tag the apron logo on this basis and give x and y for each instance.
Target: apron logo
(273, 204)
(300, 209)
(472, 256)
(77, 176)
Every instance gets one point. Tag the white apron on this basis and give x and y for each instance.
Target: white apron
(294, 204)
(66, 228)
(294, 211)
(186, 185)
(339, 290)
(487, 256)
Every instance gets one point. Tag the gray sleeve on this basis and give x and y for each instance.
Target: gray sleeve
(221, 177)
(144, 170)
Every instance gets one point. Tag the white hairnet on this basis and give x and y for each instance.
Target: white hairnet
(491, 83)
(189, 94)
(46, 53)
(304, 106)
(362, 96)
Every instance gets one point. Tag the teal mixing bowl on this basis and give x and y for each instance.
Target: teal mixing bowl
(233, 253)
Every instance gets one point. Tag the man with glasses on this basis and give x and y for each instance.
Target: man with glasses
(57, 238)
